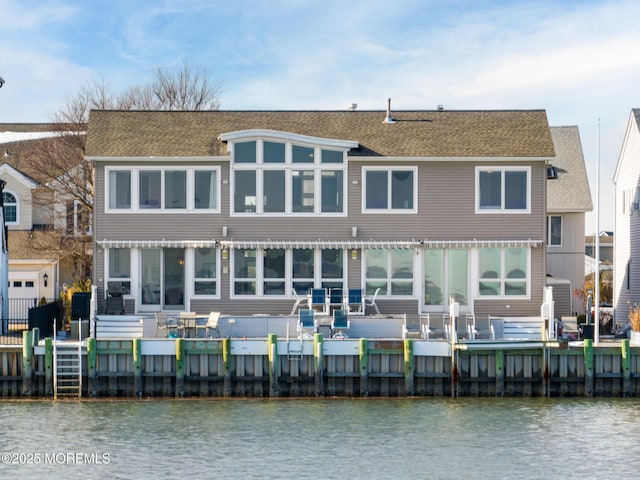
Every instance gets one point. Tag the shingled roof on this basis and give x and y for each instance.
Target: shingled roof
(515, 133)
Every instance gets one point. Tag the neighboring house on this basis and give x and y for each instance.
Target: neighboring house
(568, 199)
(626, 259)
(232, 211)
(39, 259)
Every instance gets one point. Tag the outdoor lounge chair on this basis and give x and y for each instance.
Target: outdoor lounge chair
(336, 298)
(210, 324)
(319, 301)
(355, 301)
(339, 323)
(306, 322)
(371, 302)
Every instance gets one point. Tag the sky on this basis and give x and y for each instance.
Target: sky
(576, 59)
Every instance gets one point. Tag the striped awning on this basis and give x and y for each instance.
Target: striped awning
(481, 243)
(337, 244)
(157, 243)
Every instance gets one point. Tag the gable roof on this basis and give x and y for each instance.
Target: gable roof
(26, 180)
(570, 191)
(633, 124)
(514, 133)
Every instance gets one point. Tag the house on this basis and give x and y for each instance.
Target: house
(40, 251)
(626, 250)
(568, 199)
(234, 210)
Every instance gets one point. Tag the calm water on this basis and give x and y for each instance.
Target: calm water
(322, 439)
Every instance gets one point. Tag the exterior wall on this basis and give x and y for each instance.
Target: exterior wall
(626, 284)
(567, 260)
(446, 206)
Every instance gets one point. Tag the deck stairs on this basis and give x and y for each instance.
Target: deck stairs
(67, 373)
(294, 349)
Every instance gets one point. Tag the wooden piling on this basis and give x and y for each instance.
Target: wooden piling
(272, 341)
(499, 373)
(137, 367)
(48, 366)
(226, 361)
(92, 358)
(180, 367)
(588, 367)
(27, 368)
(625, 350)
(364, 366)
(318, 364)
(409, 367)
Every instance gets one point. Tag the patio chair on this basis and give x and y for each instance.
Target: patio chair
(429, 328)
(355, 301)
(319, 301)
(167, 325)
(336, 298)
(186, 321)
(306, 322)
(371, 302)
(210, 324)
(299, 301)
(339, 323)
(410, 330)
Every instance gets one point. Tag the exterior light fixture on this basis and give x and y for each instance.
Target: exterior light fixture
(45, 279)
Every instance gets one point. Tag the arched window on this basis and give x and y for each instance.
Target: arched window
(10, 208)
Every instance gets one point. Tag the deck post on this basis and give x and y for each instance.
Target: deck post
(318, 364)
(409, 367)
(273, 364)
(364, 367)
(137, 367)
(27, 357)
(499, 373)
(92, 357)
(48, 366)
(179, 367)
(588, 367)
(625, 350)
(226, 361)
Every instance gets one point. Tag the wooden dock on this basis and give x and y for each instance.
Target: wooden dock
(359, 367)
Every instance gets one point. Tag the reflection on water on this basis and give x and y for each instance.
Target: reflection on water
(327, 438)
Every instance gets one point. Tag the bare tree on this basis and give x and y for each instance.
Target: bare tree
(59, 161)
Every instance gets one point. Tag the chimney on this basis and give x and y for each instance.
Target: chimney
(388, 119)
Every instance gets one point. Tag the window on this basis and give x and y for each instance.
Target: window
(274, 271)
(445, 276)
(389, 190)
(279, 178)
(119, 274)
(302, 269)
(29, 284)
(245, 273)
(10, 207)
(502, 189)
(389, 270)
(332, 273)
(163, 189)
(554, 230)
(204, 281)
(503, 272)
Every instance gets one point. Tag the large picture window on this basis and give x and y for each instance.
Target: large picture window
(279, 178)
(204, 282)
(390, 190)
(503, 189)
(163, 189)
(503, 272)
(389, 270)
(445, 276)
(119, 274)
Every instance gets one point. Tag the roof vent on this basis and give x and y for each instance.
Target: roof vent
(441, 108)
(388, 118)
(353, 107)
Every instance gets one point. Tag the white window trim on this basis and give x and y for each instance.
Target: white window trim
(107, 253)
(390, 209)
(502, 209)
(288, 167)
(549, 244)
(17, 205)
(502, 279)
(190, 190)
(288, 279)
(389, 279)
(190, 276)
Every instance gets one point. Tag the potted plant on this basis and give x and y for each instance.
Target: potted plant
(634, 323)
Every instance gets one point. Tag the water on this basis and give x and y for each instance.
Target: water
(322, 439)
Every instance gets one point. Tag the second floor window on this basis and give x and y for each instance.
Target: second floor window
(554, 230)
(502, 189)
(390, 190)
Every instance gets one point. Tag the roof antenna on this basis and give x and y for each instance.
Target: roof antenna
(388, 118)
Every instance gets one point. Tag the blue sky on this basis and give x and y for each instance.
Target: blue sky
(578, 60)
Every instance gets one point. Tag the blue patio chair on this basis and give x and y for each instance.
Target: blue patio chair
(306, 322)
(336, 298)
(355, 301)
(339, 323)
(319, 301)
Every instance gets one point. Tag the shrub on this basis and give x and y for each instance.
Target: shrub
(634, 317)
